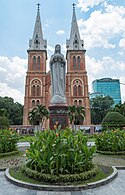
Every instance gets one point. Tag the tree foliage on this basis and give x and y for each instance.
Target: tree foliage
(100, 106)
(38, 115)
(119, 108)
(14, 110)
(4, 122)
(76, 114)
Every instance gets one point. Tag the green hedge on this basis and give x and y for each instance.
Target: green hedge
(60, 178)
(110, 153)
(113, 120)
(9, 153)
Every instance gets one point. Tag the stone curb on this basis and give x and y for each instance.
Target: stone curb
(61, 188)
(2, 169)
(120, 167)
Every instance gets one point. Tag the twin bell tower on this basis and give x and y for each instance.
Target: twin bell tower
(38, 89)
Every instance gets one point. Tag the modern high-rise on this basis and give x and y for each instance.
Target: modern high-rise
(108, 86)
(38, 82)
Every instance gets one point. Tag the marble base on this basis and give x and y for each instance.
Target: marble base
(58, 112)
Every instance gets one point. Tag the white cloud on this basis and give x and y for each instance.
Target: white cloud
(105, 67)
(49, 48)
(93, 66)
(60, 32)
(122, 43)
(102, 26)
(12, 77)
(86, 4)
(5, 90)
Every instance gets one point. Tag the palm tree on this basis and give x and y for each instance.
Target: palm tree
(42, 114)
(32, 117)
(38, 115)
(76, 114)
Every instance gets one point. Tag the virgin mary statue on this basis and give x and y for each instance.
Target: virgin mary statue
(58, 74)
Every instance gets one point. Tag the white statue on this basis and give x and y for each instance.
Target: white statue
(58, 76)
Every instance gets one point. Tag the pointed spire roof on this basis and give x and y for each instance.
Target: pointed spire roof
(37, 42)
(75, 42)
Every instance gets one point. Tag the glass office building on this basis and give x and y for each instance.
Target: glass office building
(108, 86)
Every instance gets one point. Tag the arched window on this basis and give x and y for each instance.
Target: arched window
(74, 62)
(33, 103)
(79, 90)
(80, 102)
(38, 90)
(78, 61)
(75, 90)
(75, 102)
(33, 90)
(37, 102)
(34, 62)
(38, 62)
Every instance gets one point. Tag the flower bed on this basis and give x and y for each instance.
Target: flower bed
(59, 153)
(111, 142)
(8, 141)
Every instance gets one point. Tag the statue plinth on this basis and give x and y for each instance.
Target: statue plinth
(58, 112)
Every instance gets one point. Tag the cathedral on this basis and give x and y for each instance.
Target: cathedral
(38, 80)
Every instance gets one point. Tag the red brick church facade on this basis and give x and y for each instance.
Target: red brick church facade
(38, 82)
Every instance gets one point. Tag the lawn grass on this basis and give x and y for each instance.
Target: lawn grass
(26, 138)
(103, 172)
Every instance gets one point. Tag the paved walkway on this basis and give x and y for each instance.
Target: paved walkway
(24, 144)
(116, 187)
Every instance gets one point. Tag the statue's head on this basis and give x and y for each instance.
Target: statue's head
(57, 48)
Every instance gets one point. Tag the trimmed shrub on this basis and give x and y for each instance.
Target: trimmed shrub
(51, 178)
(9, 153)
(60, 152)
(113, 120)
(112, 140)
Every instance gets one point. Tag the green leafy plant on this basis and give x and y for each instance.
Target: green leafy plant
(112, 140)
(8, 141)
(60, 152)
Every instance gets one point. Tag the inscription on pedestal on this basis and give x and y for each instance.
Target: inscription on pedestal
(58, 114)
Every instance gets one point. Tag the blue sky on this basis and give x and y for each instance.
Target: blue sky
(101, 24)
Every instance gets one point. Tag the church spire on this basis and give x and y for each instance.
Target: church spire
(37, 42)
(74, 43)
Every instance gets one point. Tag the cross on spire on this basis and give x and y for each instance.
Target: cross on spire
(38, 4)
(73, 6)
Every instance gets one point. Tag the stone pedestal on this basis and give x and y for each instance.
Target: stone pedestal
(58, 113)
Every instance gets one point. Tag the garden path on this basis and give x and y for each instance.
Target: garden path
(116, 187)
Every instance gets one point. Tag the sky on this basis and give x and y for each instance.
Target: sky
(101, 24)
